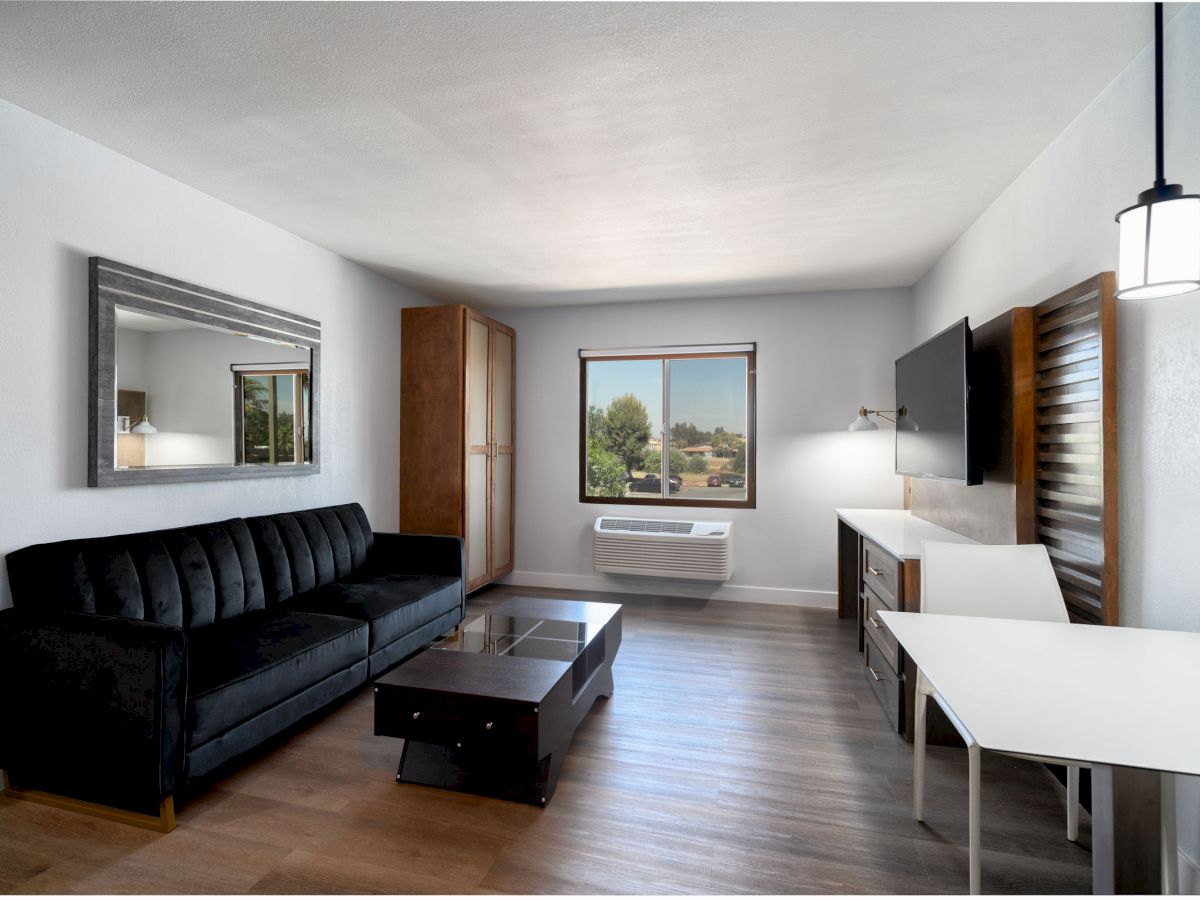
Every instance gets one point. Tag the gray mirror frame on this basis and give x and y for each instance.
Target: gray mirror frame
(111, 283)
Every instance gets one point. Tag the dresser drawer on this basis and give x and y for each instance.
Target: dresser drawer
(878, 632)
(885, 683)
(881, 571)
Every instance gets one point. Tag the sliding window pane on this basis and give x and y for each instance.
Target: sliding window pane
(624, 416)
(285, 419)
(709, 428)
(256, 418)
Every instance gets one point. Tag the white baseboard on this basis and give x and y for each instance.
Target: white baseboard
(1189, 874)
(631, 584)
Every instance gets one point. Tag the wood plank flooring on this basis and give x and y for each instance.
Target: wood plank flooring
(742, 752)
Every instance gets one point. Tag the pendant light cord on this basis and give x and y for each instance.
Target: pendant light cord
(1158, 94)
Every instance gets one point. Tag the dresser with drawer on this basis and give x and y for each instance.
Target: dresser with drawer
(879, 568)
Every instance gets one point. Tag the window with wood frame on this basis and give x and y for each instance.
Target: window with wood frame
(272, 415)
(668, 426)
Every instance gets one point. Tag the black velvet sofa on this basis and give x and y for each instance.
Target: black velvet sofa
(132, 664)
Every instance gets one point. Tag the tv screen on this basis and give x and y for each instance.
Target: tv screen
(933, 389)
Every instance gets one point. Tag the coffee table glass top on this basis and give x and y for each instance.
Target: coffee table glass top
(522, 636)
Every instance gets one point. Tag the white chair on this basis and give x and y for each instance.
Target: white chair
(999, 582)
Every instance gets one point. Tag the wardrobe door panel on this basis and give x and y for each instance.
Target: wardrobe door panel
(502, 507)
(477, 383)
(477, 519)
(502, 388)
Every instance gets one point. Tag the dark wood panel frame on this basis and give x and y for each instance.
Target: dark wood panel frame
(111, 283)
(1024, 445)
(1073, 466)
(751, 426)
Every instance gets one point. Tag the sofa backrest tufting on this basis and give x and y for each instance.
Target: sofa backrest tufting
(304, 550)
(197, 575)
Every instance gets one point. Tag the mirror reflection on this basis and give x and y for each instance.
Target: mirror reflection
(190, 394)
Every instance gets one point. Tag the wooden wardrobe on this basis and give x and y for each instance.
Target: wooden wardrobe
(457, 426)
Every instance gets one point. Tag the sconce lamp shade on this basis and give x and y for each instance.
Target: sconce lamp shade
(143, 427)
(862, 423)
(1160, 245)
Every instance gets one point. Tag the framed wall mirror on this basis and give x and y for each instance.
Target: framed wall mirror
(189, 384)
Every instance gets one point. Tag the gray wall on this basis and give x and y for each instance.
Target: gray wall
(819, 357)
(65, 199)
(1053, 228)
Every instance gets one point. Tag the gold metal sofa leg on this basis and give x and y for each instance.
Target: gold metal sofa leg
(164, 822)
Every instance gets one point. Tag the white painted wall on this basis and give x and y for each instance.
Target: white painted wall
(1052, 228)
(63, 199)
(131, 359)
(819, 357)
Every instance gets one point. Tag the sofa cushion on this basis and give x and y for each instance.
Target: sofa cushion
(242, 666)
(393, 605)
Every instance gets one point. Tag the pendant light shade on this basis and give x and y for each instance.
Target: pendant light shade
(1160, 246)
(1160, 235)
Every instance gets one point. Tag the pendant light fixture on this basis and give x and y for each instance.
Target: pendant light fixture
(1160, 235)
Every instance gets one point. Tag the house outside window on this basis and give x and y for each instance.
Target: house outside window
(668, 426)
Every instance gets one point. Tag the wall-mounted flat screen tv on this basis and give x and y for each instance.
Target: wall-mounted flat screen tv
(933, 403)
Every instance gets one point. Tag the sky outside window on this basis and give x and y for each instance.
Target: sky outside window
(709, 393)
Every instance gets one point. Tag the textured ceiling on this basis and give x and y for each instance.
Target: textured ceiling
(549, 153)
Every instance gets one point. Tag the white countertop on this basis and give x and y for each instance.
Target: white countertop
(898, 531)
(1015, 685)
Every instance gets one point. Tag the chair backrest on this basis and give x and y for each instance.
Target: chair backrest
(993, 581)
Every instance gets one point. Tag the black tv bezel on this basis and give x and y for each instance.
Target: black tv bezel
(973, 475)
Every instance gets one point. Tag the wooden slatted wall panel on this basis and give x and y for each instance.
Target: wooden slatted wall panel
(1075, 506)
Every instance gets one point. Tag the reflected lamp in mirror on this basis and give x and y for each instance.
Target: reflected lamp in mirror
(863, 421)
(233, 383)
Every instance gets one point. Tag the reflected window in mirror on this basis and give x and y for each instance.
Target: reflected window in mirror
(271, 432)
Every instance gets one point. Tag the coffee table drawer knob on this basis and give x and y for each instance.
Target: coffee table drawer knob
(416, 715)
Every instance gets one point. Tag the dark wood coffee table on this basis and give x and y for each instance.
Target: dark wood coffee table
(492, 708)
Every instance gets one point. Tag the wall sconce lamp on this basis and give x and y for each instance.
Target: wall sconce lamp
(143, 427)
(864, 423)
(1160, 234)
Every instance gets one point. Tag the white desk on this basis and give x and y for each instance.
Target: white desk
(1015, 686)
(898, 531)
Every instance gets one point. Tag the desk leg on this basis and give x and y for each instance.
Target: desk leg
(1170, 841)
(1126, 831)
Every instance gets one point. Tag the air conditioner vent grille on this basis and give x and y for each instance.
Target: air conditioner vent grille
(663, 547)
(646, 526)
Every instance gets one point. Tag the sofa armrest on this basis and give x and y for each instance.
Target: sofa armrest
(94, 706)
(420, 554)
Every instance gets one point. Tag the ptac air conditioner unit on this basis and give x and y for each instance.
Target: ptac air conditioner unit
(664, 547)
